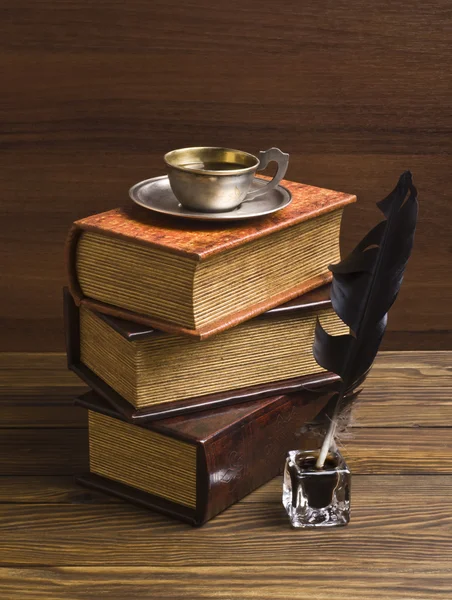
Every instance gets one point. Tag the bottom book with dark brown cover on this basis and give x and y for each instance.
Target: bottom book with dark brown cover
(192, 467)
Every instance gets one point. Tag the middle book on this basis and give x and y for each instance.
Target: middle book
(148, 374)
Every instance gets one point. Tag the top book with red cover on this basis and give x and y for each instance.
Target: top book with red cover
(204, 243)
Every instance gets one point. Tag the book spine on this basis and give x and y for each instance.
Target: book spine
(250, 453)
(71, 260)
(71, 329)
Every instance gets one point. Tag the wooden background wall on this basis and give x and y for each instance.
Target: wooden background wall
(93, 94)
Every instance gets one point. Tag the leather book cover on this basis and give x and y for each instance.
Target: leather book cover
(132, 331)
(200, 240)
(239, 448)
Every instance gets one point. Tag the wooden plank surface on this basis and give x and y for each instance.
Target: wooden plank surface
(43, 451)
(230, 583)
(369, 451)
(59, 541)
(95, 93)
(247, 534)
(48, 489)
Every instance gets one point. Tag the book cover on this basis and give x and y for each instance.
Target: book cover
(200, 241)
(238, 449)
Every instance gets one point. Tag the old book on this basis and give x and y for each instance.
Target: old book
(200, 278)
(195, 466)
(150, 374)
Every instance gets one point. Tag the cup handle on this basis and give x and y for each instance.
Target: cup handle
(266, 157)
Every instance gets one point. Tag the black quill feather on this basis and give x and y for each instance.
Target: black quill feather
(365, 285)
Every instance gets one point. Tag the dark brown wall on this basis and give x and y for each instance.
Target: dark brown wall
(95, 92)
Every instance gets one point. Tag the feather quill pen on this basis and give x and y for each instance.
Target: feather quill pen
(365, 285)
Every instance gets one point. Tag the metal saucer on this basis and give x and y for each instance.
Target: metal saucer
(156, 194)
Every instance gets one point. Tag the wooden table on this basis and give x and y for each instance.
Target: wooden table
(61, 541)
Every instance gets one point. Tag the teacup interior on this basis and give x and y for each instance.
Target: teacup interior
(210, 159)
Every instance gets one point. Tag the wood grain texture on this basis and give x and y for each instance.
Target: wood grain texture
(48, 489)
(135, 583)
(370, 450)
(41, 412)
(63, 489)
(94, 95)
(43, 451)
(248, 534)
(31, 373)
(59, 541)
(406, 390)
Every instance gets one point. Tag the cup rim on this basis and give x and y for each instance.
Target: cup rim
(169, 155)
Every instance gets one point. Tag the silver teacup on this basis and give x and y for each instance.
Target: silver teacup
(211, 179)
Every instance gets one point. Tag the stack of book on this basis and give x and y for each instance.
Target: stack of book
(196, 340)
